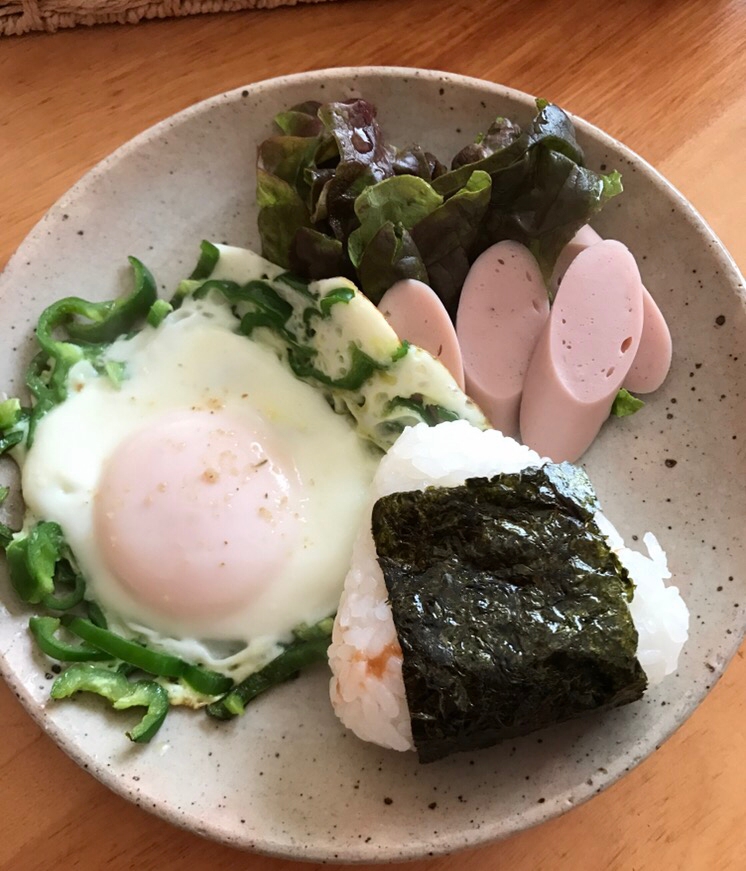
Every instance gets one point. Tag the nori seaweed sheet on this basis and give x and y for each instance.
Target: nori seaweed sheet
(510, 607)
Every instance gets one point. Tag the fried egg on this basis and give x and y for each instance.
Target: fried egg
(211, 498)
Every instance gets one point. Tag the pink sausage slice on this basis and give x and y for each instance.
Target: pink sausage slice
(584, 238)
(653, 360)
(416, 314)
(584, 353)
(502, 311)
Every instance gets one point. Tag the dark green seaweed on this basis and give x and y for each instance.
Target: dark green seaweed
(510, 607)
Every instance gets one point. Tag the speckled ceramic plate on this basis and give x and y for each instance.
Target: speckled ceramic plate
(286, 779)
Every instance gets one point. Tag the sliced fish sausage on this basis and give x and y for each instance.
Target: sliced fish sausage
(584, 352)
(650, 367)
(653, 359)
(502, 311)
(416, 314)
(584, 238)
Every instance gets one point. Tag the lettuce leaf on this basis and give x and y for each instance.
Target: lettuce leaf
(414, 160)
(315, 255)
(501, 133)
(403, 200)
(301, 119)
(287, 157)
(364, 159)
(390, 256)
(542, 192)
(417, 235)
(336, 199)
(625, 404)
(445, 238)
(282, 213)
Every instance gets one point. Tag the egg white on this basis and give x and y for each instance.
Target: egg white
(196, 360)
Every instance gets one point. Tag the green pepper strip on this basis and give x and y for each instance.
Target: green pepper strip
(270, 309)
(63, 354)
(268, 299)
(35, 564)
(401, 351)
(310, 646)
(273, 312)
(209, 683)
(45, 397)
(11, 415)
(145, 693)
(16, 552)
(10, 441)
(64, 575)
(259, 293)
(362, 366)
(297, 284)
(325, 306)
(10, 411)
(109, 320)
(158, 311)
(115, 371)
(47, 375)
(430, 413)
(184, 289)
(208, 260)
(120, 692)
(255, 319)
(231, 290)
(334, 297)
(96, 615)
(44, 628)
(45, 542)
(6, 533)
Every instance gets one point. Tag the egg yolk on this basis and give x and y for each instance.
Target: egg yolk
(194, 515)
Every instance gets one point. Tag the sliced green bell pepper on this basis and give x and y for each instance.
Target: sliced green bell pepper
(122, 693)
(309, 646)
(210, 683)
(44, 628)
(37, 562)
(208, 259)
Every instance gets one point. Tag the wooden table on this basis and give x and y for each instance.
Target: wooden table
(667, 78)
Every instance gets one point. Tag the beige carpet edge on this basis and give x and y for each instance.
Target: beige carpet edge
(22, 16)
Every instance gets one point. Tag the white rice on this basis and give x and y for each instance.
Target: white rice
(367, 689)
(659, 613)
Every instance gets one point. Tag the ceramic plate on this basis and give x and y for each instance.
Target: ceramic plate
(286, 779)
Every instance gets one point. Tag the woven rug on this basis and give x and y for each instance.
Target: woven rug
(21, 16)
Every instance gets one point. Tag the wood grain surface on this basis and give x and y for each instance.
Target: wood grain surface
(668, 78)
